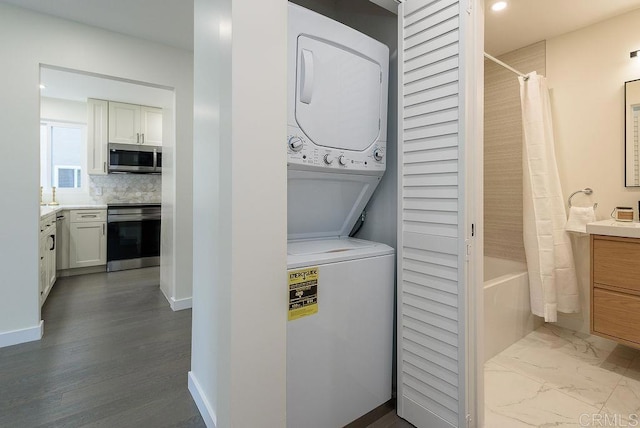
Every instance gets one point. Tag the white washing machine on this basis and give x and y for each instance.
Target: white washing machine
(339, 360)
(340, 328)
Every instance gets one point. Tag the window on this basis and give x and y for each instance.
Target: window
(62, 155)
(67, 176)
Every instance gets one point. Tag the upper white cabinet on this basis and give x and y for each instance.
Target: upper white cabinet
(97, 137)
(151, 125)
(134, 124)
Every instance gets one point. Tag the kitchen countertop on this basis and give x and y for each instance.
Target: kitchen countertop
(48, 209)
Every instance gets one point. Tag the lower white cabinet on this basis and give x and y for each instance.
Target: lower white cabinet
(47, 255)
(62, 239)
(87, 238)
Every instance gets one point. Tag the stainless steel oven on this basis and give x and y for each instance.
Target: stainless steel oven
(133, 236)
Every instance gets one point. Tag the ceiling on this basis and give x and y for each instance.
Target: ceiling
(524, 22)
(169, 22)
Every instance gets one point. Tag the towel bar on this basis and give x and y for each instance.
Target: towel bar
(586, 191)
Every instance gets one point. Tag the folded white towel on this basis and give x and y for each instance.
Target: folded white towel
(578, 219)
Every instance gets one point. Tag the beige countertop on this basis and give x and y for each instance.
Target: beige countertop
(623, 229)
(48, 209)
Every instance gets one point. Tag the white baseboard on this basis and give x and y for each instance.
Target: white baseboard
(21, 336)
(181, 304)
(208, 415)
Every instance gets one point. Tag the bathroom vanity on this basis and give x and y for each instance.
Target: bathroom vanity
(615, 281)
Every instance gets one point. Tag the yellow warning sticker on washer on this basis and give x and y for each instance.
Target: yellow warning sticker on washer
(303, 292)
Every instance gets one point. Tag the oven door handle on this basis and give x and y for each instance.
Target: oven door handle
(131, 217)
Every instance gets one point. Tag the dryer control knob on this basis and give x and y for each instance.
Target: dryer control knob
(295, 144)
(377, 155)
(328, 159)
(342, 160)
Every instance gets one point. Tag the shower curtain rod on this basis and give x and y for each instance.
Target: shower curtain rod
(508, 67)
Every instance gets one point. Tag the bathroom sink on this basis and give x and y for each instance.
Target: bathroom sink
(625, 229)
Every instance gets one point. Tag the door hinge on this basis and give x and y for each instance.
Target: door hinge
(469, 420)
(469, 6)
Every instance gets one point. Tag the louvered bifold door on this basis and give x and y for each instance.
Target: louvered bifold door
(431, 333)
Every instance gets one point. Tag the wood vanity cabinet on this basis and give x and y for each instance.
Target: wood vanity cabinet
(615, 288)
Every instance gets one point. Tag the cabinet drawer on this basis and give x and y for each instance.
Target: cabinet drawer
(615, 263)
(47, 221)
(616, 314)
(83, 216)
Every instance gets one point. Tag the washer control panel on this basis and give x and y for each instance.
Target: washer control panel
(304, 153)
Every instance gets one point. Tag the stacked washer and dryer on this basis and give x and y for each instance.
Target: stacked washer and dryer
(339, 339)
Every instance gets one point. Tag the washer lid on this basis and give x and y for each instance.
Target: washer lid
(325, 204)
(338, 95)
(327, 245)
(309, 252)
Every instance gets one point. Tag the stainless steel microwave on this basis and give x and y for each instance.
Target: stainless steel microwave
(131, 158)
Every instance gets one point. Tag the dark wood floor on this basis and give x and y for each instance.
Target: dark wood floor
(383, 417)
(113, 355)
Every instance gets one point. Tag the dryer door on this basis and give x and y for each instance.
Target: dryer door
(338, 94)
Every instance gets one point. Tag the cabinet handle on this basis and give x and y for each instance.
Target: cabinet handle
(104, 167)
(53, 242)
(138, 138)
(142, 138)
(103, 225)
(88, 216)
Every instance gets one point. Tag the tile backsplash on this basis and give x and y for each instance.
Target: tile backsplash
(135, 188)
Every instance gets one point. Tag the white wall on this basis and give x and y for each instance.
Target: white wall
(63, 110)
(238, 362)
(586, 71)
(38, 39)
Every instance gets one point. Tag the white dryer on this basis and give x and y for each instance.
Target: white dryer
(339, 356)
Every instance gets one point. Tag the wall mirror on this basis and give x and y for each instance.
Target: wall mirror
(632, 133)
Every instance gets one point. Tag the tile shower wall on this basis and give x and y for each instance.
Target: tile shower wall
(503, 151)
(128, 188)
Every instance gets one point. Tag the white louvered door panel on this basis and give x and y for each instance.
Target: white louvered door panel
(431, 238)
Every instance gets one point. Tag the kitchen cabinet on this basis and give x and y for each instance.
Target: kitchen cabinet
(47, 265)
(62, 239)
(97, 136)
(87, 238)
(135, 124)
(615, 289)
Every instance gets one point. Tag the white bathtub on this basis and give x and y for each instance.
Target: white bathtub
(507, 311)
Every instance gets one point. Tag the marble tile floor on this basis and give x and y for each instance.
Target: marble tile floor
(555, 377)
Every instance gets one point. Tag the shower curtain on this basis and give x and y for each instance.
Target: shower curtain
(552, 276)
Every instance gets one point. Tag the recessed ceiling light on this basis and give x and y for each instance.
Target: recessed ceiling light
(42, 86)
(497, 6)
